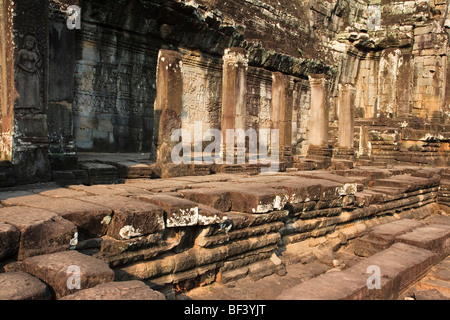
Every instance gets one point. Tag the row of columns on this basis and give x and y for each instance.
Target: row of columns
(169, 106)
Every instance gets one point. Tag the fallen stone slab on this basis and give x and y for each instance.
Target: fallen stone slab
(131, 217)
(126, 290)
(383, 236)
(179, 212)
(399, 266)
(68, 272)
(41, 231)
(217, 198)
(22, 286)
(9, 240)
(434, 238)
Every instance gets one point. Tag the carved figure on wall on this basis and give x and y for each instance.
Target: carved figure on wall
(28, 79)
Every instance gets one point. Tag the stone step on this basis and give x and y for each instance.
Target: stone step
(434, 237)
(125, 290)
(69, 271)
(70, 177)
(399, 266)
(383, 236)
(407, 183)
(100, 173)
(133, 170)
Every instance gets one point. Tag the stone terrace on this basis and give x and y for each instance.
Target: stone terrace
(146, 237)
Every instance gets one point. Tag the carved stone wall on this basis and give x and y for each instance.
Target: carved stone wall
(114, 92)
(202, 92)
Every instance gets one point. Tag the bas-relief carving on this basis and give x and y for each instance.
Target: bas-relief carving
(202, 89)
(28, 78)
(114, 89)
(259, 100)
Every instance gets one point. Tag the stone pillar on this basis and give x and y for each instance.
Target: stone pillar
(24, 82)
(281, 116)
(168, 103)
(318, 121)
(346, 135)
(62, 48)
(234, 95)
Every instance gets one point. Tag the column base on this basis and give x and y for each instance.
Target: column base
(343, 158)
(321, 155)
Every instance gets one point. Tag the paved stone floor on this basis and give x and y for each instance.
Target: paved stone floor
(408, 237)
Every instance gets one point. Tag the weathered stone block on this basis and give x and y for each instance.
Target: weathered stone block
(22, 286)
(432, 237)
(210, 216)
(131, 217)
(91, 220)
(126, 290)
(301, 190)
(40, 231)
(9, 240)
(254, 199)
(179, 212)
(219, 199)
(67, 272)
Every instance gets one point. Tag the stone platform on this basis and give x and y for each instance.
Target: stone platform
(146, 236)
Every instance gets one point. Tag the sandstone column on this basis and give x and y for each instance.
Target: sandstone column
(168, 103)
(24, 87)
(234, 96)
(318, 122)
(345, 149)
(282, 103)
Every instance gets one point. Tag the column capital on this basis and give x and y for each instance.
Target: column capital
(235, 56)
(319, 80)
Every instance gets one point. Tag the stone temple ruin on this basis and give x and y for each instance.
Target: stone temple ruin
(93, 206)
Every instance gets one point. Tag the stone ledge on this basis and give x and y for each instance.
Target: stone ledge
(127, 290)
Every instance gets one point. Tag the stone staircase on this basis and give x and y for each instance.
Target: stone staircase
(405, 252)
